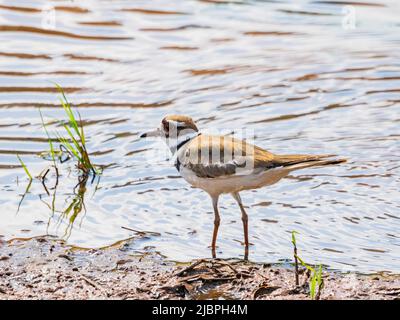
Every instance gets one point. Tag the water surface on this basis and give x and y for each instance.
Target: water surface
(301, 76)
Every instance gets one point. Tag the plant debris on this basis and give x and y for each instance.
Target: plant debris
(47, 268)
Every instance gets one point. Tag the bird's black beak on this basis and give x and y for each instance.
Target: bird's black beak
(154, 133)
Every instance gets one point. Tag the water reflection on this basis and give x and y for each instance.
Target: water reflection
(77, 203)
(74, 204)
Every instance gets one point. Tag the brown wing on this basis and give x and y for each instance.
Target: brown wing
(217, 156)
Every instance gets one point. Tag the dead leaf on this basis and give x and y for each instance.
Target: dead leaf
(264, 290)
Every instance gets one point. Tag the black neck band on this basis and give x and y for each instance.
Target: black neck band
(181, 144)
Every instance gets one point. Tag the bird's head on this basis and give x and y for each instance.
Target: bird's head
(173, 128)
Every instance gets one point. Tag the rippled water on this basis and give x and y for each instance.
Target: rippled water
(301, 76)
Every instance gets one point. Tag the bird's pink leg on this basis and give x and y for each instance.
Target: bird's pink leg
(217, 220)
(245, 221)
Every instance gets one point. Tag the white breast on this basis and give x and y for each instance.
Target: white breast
(234, 183)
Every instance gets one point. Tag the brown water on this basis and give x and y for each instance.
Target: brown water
(301, 76)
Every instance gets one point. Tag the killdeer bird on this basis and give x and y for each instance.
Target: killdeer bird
(222, 164)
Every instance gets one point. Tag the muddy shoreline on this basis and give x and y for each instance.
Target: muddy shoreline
(46, 268)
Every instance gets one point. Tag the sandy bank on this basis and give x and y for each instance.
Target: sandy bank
(46, 268)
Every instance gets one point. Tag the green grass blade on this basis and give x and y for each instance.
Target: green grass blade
(294, 237)
(25, 167)
(68, 110)
(48, 137)
(313, 285)
(82, 135)
(319, 276)
(72, 121)
(69, 147)
(311, 269)
(74, 141)
(60, 89)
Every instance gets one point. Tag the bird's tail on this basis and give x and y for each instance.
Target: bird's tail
(300, 161)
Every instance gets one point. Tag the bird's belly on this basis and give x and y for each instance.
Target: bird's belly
(234, 183)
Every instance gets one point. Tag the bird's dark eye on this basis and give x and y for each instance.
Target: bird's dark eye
(165, 124)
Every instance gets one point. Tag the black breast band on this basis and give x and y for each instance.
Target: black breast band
(180, 145)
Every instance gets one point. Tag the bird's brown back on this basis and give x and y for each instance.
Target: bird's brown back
(215, 156)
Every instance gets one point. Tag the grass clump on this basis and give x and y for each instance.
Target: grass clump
(316, 281)
(69, 144)
(74, 140)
